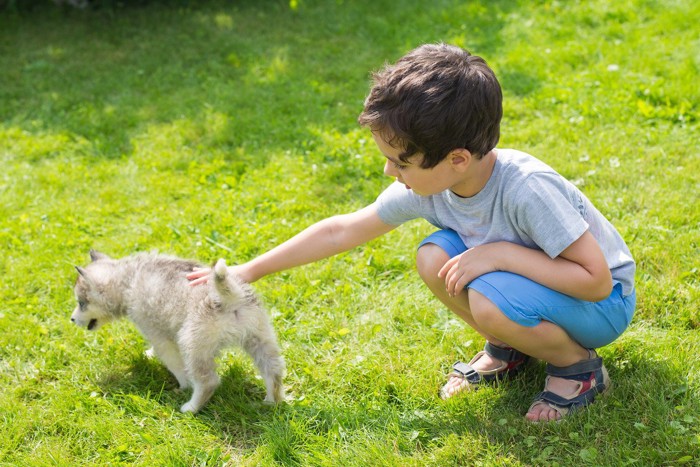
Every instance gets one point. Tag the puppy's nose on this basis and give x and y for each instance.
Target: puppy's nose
(72, 320)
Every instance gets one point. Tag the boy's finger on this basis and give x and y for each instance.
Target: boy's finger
(197, 273)
(461, 283)
(451, 277)
(447, 266)
(196, 282)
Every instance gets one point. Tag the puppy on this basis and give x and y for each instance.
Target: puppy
(187, 326)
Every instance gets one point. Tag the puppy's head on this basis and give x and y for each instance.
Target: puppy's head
(92, 291)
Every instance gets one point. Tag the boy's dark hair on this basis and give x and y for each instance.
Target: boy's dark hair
(435, 99)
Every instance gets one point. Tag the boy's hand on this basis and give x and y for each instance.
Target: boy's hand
(464, 268)
(198, 276)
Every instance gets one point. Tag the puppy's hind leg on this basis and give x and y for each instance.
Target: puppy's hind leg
(169, 353)
(200, 365)
(204, 383)
(265, 352)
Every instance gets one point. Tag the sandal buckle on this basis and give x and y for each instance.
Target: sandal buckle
(465, 370)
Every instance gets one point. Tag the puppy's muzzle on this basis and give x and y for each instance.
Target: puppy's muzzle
(90, 326)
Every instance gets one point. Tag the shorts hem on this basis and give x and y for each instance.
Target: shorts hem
(502, 303)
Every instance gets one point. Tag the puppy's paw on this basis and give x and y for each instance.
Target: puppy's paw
(189, 407)
(277, 398)
(150, 353)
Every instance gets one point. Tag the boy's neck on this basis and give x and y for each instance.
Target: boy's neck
(478, 176)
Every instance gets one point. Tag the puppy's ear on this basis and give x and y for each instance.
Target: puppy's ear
(96, 255)
(81, 271)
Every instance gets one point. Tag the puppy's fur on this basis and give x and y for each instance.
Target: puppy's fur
(187, 326)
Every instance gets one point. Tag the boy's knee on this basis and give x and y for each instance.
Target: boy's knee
(430, 258)
(485, 313)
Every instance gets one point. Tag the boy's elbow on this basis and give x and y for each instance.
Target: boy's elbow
(600, 296)
(603, 288)
(336, 232)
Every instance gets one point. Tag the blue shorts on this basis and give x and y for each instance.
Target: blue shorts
(591, 324)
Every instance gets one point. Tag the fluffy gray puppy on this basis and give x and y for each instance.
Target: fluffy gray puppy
(187, 326)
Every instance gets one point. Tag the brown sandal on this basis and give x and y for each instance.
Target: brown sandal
(513, 362)
(592, 379)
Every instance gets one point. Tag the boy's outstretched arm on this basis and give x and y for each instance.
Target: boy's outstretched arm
(325, 238)
(579, 271)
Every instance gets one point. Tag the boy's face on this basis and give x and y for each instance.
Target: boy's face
(422, 181)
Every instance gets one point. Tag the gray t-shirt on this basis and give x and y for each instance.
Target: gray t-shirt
(524, 202)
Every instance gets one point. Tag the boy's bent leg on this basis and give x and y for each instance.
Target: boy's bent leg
(558, 325)
(545, 341)
(429, 260)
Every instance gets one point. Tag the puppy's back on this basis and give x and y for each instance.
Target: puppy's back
(159, 292)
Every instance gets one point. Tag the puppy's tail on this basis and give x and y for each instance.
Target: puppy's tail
(226, 285)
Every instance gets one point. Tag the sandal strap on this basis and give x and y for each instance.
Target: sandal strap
(514, 362)
(506, 354)
(467, 372)
(558, 402)
(584, 367)
(591, 371)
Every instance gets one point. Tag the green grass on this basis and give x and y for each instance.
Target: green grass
(219, 129)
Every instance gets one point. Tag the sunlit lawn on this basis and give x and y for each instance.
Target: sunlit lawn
(219, 129)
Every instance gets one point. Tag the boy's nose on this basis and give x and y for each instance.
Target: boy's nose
(389, 169)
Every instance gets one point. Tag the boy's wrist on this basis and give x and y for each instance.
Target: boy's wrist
(507, 254)
(245, 272)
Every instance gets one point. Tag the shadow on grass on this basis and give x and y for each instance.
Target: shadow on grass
(215, 75)
(650, 400)
(149, 379)
(644, 403)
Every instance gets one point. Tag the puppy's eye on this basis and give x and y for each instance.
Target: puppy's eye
(82, 304)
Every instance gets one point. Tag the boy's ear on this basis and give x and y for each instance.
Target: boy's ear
(460, 159)
(96, 255)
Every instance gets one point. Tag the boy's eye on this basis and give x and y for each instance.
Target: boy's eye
(399, 166)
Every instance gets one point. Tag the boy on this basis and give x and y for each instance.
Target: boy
(522, 256)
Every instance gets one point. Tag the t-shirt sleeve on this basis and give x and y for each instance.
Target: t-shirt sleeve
(397, 205)
(548, 211)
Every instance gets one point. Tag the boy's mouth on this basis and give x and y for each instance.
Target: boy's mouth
(403, 183)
